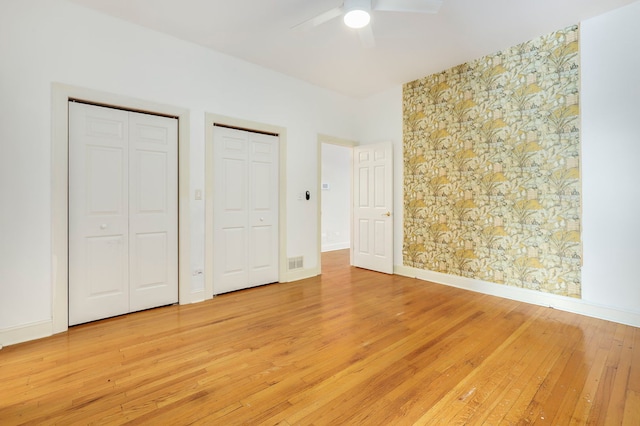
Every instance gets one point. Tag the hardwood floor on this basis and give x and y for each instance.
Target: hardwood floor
(349, 347)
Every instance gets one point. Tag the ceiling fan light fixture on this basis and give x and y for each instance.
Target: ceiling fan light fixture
(357, 18)
(356, 13)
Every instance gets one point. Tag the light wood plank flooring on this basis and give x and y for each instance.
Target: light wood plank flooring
(349, 347)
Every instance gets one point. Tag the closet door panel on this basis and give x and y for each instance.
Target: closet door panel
(98, 213)
(153, 213)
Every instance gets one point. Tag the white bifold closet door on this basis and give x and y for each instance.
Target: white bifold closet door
(245, 209)
(123, 212)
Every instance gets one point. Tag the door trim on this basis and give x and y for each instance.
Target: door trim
(341, 142)
(61, 94)
(210, 121)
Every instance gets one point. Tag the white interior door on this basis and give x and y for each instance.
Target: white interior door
(372, 207)
(245, 212)
(122, 212)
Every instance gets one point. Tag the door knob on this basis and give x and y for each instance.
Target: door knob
(386, 214)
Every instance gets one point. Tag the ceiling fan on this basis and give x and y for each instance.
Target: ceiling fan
(357, 14)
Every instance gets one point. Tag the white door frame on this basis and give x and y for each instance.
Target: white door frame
(341, 142)
(61, 94)
(210, 121)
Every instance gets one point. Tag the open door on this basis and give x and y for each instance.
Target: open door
(372, 207)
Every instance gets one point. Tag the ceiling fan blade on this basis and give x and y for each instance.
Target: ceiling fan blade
(415, 6)
(319, 19)
(366, 37)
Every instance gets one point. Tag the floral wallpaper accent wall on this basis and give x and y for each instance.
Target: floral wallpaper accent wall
(491, 168)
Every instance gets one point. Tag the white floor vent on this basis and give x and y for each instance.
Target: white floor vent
(296, 263)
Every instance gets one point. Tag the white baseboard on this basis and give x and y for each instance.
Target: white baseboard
(301, 274)
(33, 331)
(336, 246)
(24, 333)
(568, 304)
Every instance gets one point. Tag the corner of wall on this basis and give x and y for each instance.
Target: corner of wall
(301, 274)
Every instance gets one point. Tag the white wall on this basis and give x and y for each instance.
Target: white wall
(336, 200)
(45, 41)
(610, 55)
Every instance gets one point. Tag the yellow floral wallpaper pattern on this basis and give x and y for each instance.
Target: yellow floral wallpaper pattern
(491, 168)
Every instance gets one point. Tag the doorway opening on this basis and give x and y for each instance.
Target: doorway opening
(336, 198)
(335, 180)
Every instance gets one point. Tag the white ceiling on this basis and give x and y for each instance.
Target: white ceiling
(408, 46)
